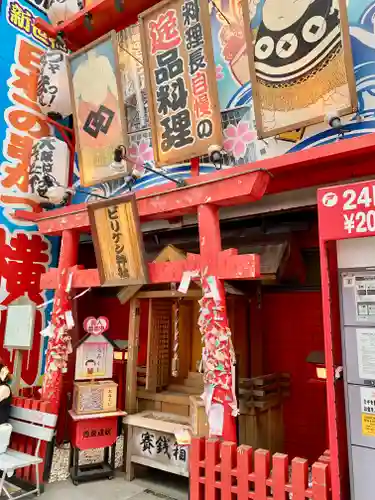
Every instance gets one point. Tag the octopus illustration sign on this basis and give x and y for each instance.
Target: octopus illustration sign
(300, 63)
(98, 107)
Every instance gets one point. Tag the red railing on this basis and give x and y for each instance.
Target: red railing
(28, 444)
(223, 471)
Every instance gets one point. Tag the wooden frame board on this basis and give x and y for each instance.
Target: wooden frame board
(166, 63)
(99, 117)
(118, 241)
(271, 67)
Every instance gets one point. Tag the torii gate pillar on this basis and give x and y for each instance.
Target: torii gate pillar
(210, 249)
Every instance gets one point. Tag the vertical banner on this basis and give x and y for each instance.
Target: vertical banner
(180, 79)
(24, 253)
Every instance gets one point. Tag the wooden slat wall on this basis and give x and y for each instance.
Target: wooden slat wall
(238, 319)
(185, 347)
(158, 349)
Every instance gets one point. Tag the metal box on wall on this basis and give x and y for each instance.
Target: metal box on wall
(357, 290)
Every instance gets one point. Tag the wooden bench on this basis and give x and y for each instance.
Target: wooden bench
(28, 424)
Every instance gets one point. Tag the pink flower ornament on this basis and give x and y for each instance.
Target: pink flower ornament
(237, 138)
(219, 72)
(141, 153)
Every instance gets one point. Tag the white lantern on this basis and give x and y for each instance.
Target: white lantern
(61, 10)
(49, 171)
(53, 92)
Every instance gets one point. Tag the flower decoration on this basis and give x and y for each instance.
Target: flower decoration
(219, 72)
(237, 138)
(141, 153)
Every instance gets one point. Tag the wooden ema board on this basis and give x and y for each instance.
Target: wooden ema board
(98, 109)
(180, 80)
(118, 242)
(158, 348)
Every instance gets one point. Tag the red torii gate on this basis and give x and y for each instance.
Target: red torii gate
(202, 195)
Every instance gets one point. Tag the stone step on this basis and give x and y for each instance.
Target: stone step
(186, 389)
(171, 397)
(194, 379)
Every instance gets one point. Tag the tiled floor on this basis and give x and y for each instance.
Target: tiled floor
(149, 485)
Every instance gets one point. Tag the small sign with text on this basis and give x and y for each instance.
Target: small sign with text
(347, 211)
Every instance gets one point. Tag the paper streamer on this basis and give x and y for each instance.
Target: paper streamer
(176, 340)
(40, 306)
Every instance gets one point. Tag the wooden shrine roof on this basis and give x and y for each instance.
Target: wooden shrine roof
(271, 254)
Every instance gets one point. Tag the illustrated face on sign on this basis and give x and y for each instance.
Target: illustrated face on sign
(90, 366)
(97, 70)
(279, 15)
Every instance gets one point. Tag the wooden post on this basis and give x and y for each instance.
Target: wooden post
(197, 454)
(299, 477)
(256, 338)
(52, 386)
(131, 366)
(212, 454)
(152, 350)
(262, 470)
(210, 248)
(280, 476)
(228, 459)
(131, 383)
(335, 410)
(244, 468)
(16, 376)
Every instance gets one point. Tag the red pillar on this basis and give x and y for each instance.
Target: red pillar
(210, 247)
(194, 164)
(52, 380)
(335, 391)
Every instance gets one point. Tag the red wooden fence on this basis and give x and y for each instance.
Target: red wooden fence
(223, 471)
(28, 444)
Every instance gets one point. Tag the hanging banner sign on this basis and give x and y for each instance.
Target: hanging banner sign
(118, 241)
(53, 85)
(300, 63)
(347, 211)
(98, 109)
(49, 162)
(180, 79)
